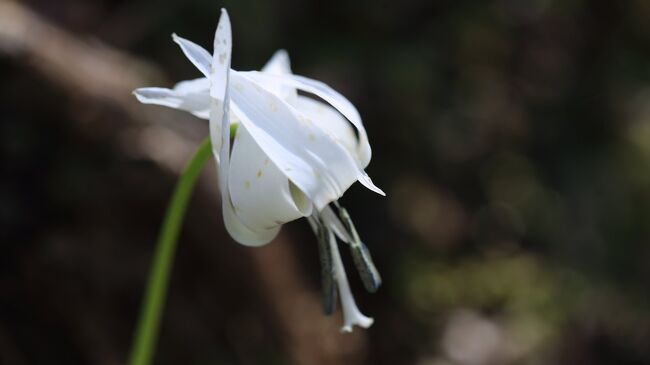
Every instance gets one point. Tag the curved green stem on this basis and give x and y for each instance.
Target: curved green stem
(154, 298)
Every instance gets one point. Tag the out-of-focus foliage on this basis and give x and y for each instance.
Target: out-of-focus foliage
(512, 138)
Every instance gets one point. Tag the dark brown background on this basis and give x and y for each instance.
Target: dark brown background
(512, 138)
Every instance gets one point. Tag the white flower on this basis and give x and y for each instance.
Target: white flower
(291, 156)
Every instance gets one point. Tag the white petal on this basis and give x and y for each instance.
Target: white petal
(195, 53)
(262, 196)
(220, 102)
(352, 316)
(241, 233)
(338, 101)
(191, 96)
(219, 113)
(158, 96)
(312, 160)
(220, 129)
(278, 64)
(221, 57)
(218, 119)
(200, 85)
(331, 121)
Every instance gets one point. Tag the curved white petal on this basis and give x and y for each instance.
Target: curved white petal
(220, 131)
(338, 101)
(278, 64)
(195, 53)
(221, 57)
(191, 96)
(262, 196)
(241, 233)
(220, 100)
(308, 156)
(200, 85)
(352, 316)
(331, 121)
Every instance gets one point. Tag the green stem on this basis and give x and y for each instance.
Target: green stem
(154, 297)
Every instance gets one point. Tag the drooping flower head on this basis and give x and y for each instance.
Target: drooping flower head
(291, 155)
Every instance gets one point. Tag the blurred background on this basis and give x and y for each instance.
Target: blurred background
(512, 139)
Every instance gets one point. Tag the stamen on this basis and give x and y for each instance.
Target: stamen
(360, 254)
(327, 272)
(351, 314)
(367, 271)
(333, 222)
(329, 294)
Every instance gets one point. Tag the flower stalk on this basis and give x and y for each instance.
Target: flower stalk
(148, 326)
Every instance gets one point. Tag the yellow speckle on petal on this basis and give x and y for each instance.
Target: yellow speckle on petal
(312, 137)
(266, 161)
(304, 119)
(259, 173)
(247, 184)
(270, 102)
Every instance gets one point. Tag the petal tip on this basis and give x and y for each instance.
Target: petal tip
(138, 95)
(222, 39)
(365, 180)
(374, 188)
(363, 322)
(224, 15)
